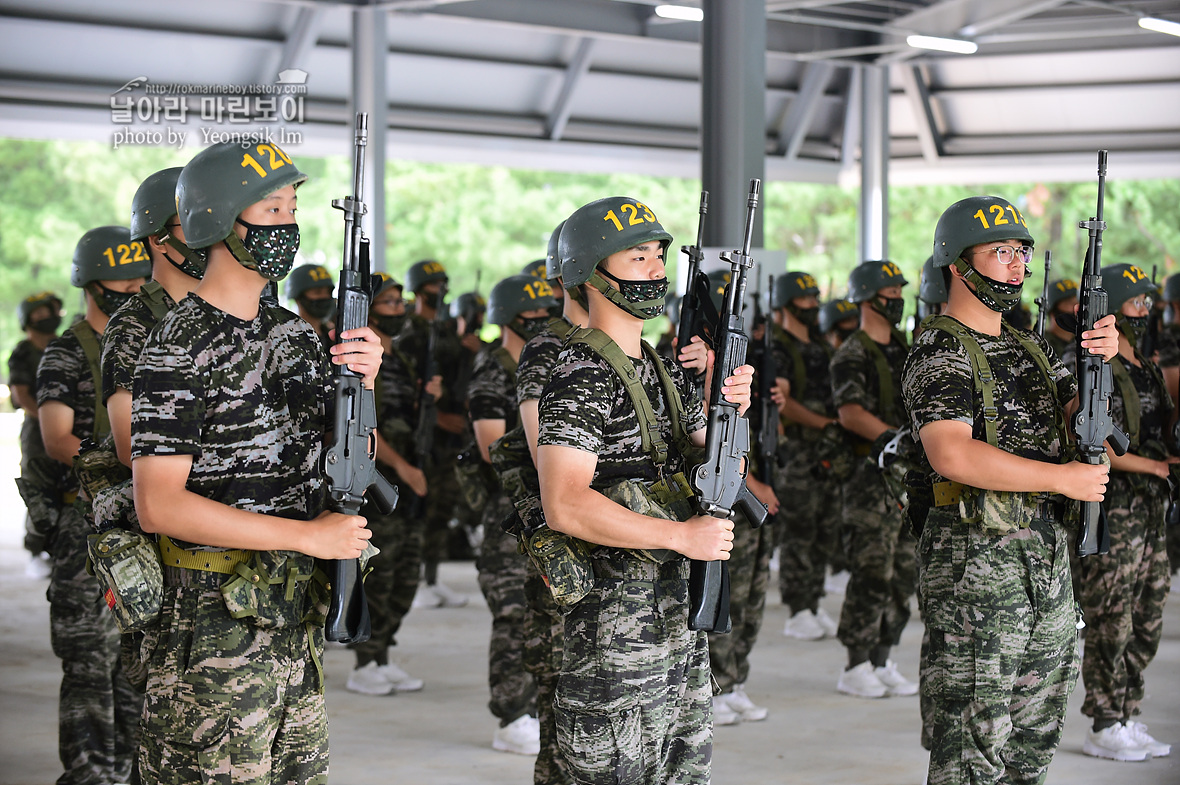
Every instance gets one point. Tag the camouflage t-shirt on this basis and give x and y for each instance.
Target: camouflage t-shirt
(491, 393)
(855, 379)
(22, 364)
(939, 384)
(413, 341)
(585, 406)
(815, 357)
(537, 359)
(395, 390)
(1168, 345)
(64, 376)
(1153, 412)
(126, 333)
(249, 400)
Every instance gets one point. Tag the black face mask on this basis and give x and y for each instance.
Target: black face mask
(429, 299)
(318, 309)
(529, 328)
(1133, 327)
(809, 316)
(892, 308)
(390, 325)
(844, 332)
(46, 326)
(108, 300)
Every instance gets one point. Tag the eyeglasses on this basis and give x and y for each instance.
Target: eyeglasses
(1144, 302)
(1007, 254)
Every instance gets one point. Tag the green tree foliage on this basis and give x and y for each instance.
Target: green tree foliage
(493, 220)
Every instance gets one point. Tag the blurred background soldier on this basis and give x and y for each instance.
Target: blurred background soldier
(1123, 591)
(310, 286)
(40, 476)
(1063, 296)
(519, 305)
(98, 715)
(838, 319)
(866, 391)
(931, 294)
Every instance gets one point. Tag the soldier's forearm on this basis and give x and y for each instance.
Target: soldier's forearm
(977, 463)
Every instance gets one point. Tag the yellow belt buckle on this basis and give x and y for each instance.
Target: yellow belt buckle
(947, 493)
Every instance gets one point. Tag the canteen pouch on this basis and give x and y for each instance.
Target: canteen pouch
(97, 467)
(127, 564)
(270, 589)
(997, 512)
(476, 478)
(564, 564)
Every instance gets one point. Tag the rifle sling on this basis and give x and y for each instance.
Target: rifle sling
(886, 394)
(89, 341)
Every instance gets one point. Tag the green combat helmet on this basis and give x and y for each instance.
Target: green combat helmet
(973, 221)
(1172, 288)
(790, 285)
(1061, 289)
(1123, 282)
(153, 204)
(931, 289)
(834, 312)
(603, 227)
(471, 306)
(308, 276)
(536, 269)
(108, 254)
(552, 257)
(516, 294)
(221, 181)
(34, 301)
(718, 280)
(379, 282)
(868, 278)
(424, 272)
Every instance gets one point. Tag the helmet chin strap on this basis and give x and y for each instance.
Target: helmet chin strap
(616, 297)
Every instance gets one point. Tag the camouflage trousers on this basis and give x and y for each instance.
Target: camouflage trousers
(633, 702)
(808, 532)
(1001, 659)
(749, 575)
(881, 566)
(231, 702)
(543, 645)
(502, 569)
(1123, 595)
(98, 709)
(392, 581)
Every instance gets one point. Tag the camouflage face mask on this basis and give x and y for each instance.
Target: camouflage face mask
(529, 328)
(643, 299)
(108, 300)
(268, 250)
(1133, 327)
(996, 295)
(193, 261)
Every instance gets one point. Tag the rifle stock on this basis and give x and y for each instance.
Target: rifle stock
(349, 465)
(719, 481)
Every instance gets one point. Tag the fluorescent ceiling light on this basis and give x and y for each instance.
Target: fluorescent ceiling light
(956, 45)
(682, 12)
(1159, 25)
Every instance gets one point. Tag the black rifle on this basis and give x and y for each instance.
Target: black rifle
(428, 364)
(764, 379)
(1043, 301)
(1092, 423)
(698, 316)
(349, 465)
(1147, 344)
(719, 481)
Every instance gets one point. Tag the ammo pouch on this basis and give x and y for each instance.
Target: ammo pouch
(127, 564)
(269, 589)
(98, 468)
(513, 466)
(564, 564)
(477, 479)
(114, 508)
(997, 512)
(669, 498)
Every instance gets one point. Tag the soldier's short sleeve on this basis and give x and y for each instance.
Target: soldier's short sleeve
(850, 377)
(58, 374)
(118, 366)
(21, 369)
(168, 411)
(1168, 346)
(536, 358)
(938, 382)
(577, 400)
(488, 390)
(690, 396)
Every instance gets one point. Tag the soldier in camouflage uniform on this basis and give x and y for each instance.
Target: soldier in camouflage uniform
(544, 625)
(232, 399)
(838, 319)
(99, 709)
(310, 286)
(1168, 357)
(632, 702)
(425, 279)
(1063, 297)
(393, 575)
(866, 391)
(809, 534)
(994, 585)
(40, 475)
(1123, 591)
(519, 305)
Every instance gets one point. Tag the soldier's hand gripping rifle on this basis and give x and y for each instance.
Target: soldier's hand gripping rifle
(698, 316)
(1092, 423)
(349, 465)
(764, 379)
(1043, 301)
(427, 412)
(720, 480)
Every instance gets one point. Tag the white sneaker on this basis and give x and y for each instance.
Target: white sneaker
(739, 702)
(401, 681)
(521, 736)
(826, 622)
(862, 682)
(1114, 743)
(1139, 733)
(38, 567)
(894, 682)
(425, 597)
(836, 582)
(803, 626)
(722, 713)
(448, 597)
(368, 680)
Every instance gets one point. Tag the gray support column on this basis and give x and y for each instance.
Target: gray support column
(874, 163)
(733, 115)
(369, 47)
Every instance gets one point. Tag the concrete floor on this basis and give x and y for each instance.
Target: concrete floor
(442, 735)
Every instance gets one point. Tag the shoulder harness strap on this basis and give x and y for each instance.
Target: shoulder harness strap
(155, 296)
(799, 373)
(886, 394)
(93, 351)
(1130, 396)
(560, 327)
(506, 362)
